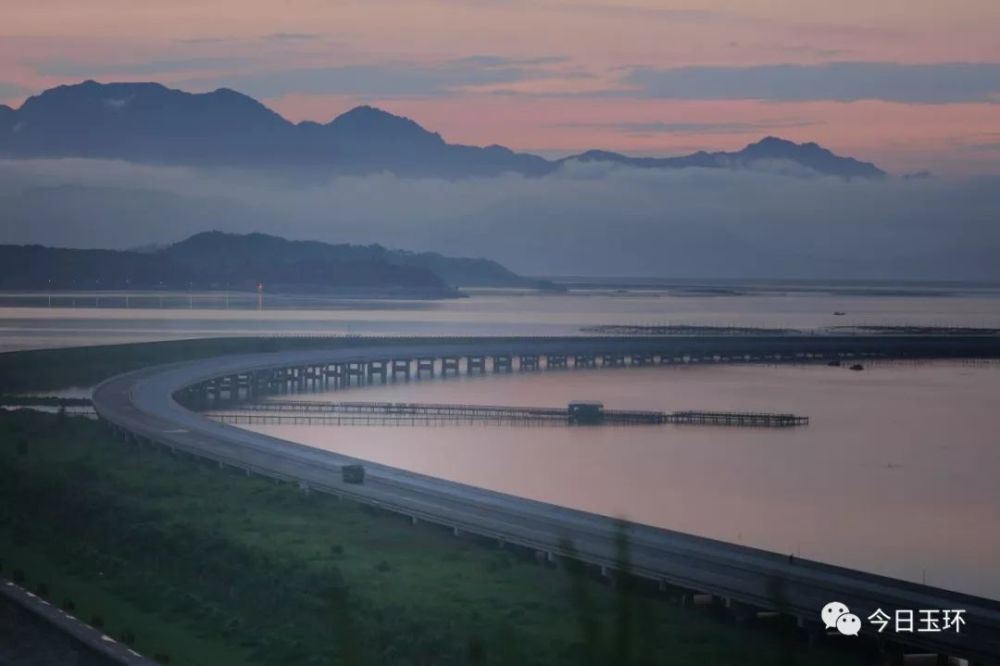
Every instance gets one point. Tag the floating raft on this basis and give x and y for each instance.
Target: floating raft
(753, 419)
(308, 412)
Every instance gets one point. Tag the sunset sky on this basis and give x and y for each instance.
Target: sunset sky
(909, 84)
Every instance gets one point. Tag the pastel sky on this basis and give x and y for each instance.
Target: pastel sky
(909, 84)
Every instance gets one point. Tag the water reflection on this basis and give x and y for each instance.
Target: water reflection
(896, 473)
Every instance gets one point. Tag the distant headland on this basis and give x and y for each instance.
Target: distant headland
(216, 260)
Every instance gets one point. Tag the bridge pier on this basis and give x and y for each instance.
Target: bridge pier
(243, 384)
(273, 379)
(232, 388)
(609, 360)
(475, 364)
(401, 368)
(545, 557)
(702, 600)
(641, 359)
(356, 369)
(555, 361)
(336, 371)
(379, 369)
(257, 383)
(219, 389)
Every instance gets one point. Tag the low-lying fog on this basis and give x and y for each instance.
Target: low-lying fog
(595, 219)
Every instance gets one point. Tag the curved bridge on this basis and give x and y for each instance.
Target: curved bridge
(144, 406)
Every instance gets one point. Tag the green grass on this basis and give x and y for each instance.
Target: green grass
(213, 567)
(93, 598)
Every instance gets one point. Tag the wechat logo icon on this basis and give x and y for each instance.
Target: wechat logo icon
(838, 616)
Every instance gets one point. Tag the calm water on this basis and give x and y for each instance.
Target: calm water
(493, 313)
(896, 474)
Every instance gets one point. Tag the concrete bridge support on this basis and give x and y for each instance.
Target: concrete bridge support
(356, 369)
(233, 387)
(613, 360)
(401, 367)
(555, 361)
(641, 359)
(336, 372)
(450, 364)
(425, 365)
(379, 368)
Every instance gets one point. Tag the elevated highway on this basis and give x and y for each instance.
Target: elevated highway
(144, 406)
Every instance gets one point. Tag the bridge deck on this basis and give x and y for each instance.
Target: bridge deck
(140, 405)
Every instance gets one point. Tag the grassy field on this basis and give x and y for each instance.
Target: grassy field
(209, 567)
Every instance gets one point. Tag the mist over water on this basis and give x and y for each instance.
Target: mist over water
(487, 312)
(586, 218)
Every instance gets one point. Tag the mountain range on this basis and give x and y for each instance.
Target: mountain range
(216, 260)
(150, 123)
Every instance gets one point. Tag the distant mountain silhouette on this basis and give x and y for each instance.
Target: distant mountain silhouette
(148, 122)
(7, 116)
(768, 150)
(215, 260)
